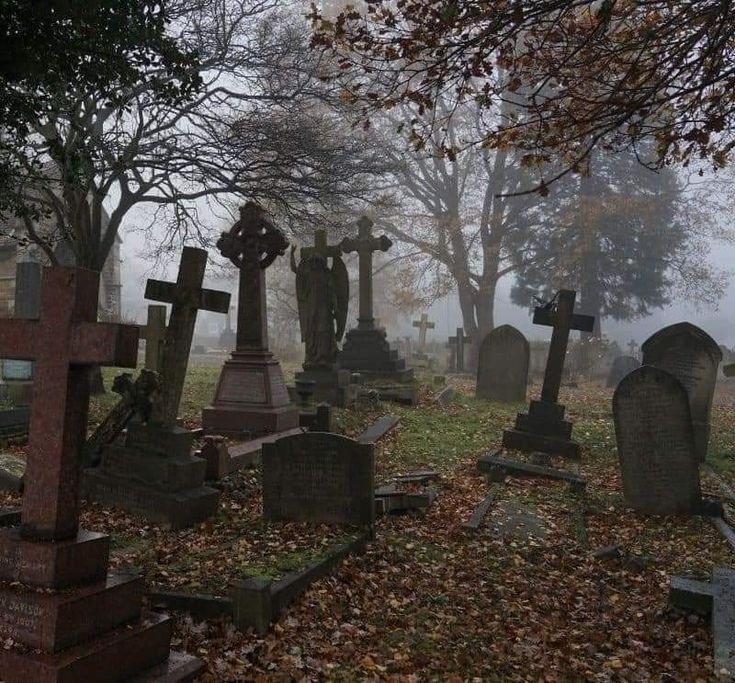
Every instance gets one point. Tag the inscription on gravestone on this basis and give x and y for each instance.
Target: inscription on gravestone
(243, 385)
(319, 477)
(692, 356)
(653, 428)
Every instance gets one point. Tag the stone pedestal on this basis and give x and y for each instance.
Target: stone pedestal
(251, 399)
(70, 621)
(153, 474)
(331, 384)
(543, 428)
(368, 352)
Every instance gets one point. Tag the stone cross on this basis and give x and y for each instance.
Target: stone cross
(64, 342)
(424, 324)
(632, 347)
(252, 244)
(321, 247)
(154, 333)
(365, 244)
(563, 320)
(187, 297)
(457, 343)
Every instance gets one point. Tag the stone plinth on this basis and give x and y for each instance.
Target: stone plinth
(543, 428)
(154, 475)
(331, 385)
(368, 352)
(251, 399)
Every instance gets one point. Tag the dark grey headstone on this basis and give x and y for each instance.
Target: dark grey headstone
(653, 427)
(692, 356)
(319, 477)
(621, 366)
(502, 372)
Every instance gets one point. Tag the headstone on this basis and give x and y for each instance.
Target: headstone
(366, 348)
(228, 336)
(502, 373)
(620, 368)
(544, 428)
(251, 398)
(633, 348)
(62, 617)
(319, 477)
(154, 333)
(658, 459)
(692, 356)
(456, 346)
(423, 325)
(153, 473)
(322, 294)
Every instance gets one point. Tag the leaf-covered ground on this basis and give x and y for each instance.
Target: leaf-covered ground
(521, 598)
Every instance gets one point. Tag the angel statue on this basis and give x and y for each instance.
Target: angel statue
(322, 294)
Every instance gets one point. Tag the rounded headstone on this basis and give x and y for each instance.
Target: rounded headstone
(502, 373)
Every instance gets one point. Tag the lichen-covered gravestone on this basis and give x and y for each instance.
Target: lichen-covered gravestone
(621, 366)
(692, 356)
(658, 459)
(319, 477)
(502, 373)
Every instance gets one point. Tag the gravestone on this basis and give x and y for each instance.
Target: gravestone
(228, 337)
(456, 346)
(63, 618)
(366, 348)
(154, 333)
(653, 428)
(502, 373)
(692, 356)
(153, 473)
(423, 325)
(323, 295)
(620, 368)
(544, 428)
(319, 477)
(251, 398)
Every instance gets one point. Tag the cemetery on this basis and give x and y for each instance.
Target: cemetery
(342, 350)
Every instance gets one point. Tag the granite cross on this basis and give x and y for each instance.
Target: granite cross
(457, 343)
(187, 297)
(154, 333)
(252, 244)
(365, 244)
(64, 342)
(562, 318)
(424, 324)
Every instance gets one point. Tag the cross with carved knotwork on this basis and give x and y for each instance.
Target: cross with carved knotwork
(365, 244)
(424, 324)
(252, 244)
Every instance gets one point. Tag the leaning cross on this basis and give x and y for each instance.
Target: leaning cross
(252, 244)
(424, 324)
(64, 342)
(365, 244)
(563, 319)
(457, 344)
(187, 297)
(154, 333)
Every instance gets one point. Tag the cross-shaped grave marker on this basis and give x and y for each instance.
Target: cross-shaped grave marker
(424, 324)
(154, 333)
(544, 428)
(321, 247)
(457, 343)
(187, 297)
(64, 342)
(365, 244)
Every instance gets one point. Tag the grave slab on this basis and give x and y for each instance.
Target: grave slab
(379, 429)
(490, 464)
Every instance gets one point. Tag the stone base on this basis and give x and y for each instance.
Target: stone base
(369, 353)
(124, 654)
(543, 429)
(331, 384)
(171, 509)
(251, 399)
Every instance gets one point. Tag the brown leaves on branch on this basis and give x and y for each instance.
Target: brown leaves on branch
(579, 73)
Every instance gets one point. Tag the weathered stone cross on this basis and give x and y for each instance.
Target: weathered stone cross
(64, 342)
(321, 247)
(632, 347)
(457, 343)
(563, 319)
(154, 333)
(187, 297)
(424, 324)
(252, 245)
(365, 244)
